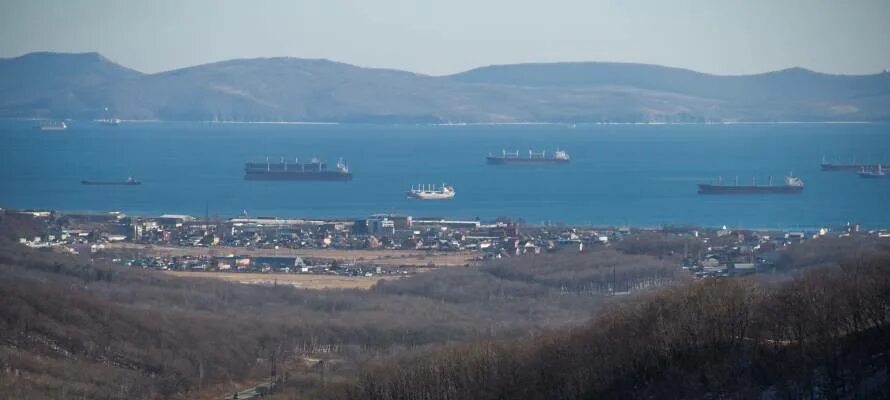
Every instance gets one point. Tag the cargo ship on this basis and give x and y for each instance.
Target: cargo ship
(878, 172)
(427, 192)
(792, 185)
(109, 121)
(314, 170)
(853, 167)
(130, 181)
(533, 158)
(52, 126)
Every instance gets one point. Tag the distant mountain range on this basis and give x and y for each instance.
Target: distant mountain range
(88, 86)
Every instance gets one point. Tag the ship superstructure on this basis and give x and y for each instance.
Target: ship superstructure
(878, 172)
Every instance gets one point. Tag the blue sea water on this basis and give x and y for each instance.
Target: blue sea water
(638, 175)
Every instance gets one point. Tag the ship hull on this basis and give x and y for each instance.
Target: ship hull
(732, 189)
(524, 161)
(298, 176)
(429, 197)
(872, 175)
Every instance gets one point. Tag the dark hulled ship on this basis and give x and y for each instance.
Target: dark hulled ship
(314, 170)
(792, 185)
(533, 158)
(852, 167)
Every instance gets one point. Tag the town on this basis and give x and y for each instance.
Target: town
(389, 244)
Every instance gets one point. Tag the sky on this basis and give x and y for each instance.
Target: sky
(443, 37)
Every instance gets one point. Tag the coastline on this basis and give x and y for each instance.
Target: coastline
(320, 220)
(568, 124)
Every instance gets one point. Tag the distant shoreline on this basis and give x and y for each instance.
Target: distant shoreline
(457, 124)
(527, 224)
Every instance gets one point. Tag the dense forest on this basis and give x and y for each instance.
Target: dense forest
(823, 334)
(548, 326)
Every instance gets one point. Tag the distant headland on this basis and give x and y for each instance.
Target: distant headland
(89, 86)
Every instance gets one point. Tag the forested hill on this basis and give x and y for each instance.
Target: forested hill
(87, 86)
(824, 334)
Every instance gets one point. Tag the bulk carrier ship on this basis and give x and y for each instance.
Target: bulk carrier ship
(130, 181)
(314, 170)
(852, 167)
(793, 185)
(534, 158)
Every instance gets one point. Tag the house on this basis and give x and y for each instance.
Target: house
(174, 220)
(743, 269)
(710, 262)
(242, 262)
(380, 225)
(530, 248)
(116, 238)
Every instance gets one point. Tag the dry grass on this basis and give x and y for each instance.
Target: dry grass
(380, 257)
(297, 280)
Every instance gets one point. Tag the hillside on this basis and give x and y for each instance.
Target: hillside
(524, 327)
(44, 84)
(71, 327)
(791, 94)
(81, 86)
(821, 335)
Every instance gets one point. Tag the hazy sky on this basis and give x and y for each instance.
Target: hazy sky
(441, 37)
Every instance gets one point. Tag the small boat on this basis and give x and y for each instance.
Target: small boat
(129, 181)
(426, 192)
(876, 173)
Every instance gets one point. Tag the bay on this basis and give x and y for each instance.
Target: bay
(635, 175)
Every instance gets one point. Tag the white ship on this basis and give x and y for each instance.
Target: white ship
(430, 192)
(53, 126)
(109, 121)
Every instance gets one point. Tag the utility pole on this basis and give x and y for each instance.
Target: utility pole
(272, 373)
(685, 249)
(321, 367)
